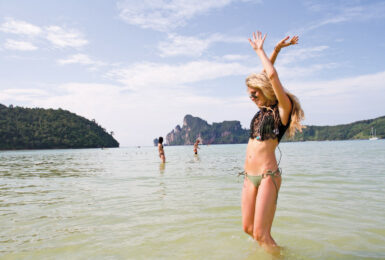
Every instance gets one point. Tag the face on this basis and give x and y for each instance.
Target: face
(256, 96)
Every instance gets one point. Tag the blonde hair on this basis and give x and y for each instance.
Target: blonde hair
(262, 82)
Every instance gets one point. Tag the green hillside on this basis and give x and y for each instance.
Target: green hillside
(37, 128)
(352, 131)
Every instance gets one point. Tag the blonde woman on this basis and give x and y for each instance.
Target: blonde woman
(278, 111)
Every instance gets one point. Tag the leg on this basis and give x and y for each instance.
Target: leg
(249, 193)
(264, 213)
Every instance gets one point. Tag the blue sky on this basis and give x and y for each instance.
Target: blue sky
(137, 67)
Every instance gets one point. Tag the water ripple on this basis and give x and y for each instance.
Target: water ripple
(124, 204)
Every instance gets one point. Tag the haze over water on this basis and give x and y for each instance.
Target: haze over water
(124, 204)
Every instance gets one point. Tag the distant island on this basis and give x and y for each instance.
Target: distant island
(231, 132)
(37, 128)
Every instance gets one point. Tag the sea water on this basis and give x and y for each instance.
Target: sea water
(124, 204)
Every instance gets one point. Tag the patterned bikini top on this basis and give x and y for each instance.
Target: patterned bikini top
(267, 124)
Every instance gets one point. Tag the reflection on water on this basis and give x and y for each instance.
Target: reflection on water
(124, 204)
(162, 167)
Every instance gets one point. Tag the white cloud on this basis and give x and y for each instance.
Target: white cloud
(20, 27)
(19, 45)
(363, 84)
(290, 72)
(183, 45)
(301, 53)
(165, 15)
(81, 59)
(303, 72)
(192, 46)
(154, 74)
(58, 36)
(234, 57)
(289, 65)
(342, 100)
(22, 94)
(343, 13)
(61, 37)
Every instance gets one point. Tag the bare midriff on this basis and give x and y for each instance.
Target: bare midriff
(260, 156)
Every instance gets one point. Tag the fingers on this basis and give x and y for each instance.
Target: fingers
(284, 39)
(264, 37)
(258, 36)
(257, 40)
(294, 40)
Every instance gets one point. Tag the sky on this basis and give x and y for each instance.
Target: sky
(138, 67)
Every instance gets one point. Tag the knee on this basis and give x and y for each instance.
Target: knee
(248, 229)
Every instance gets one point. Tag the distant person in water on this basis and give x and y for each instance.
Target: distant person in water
(279, 111)
(196, 146)
(160, 149)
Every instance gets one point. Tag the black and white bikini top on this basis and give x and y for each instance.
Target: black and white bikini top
(267, 124)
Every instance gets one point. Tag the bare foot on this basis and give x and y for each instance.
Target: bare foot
(274, 250)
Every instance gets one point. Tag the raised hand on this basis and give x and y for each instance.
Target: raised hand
(284, 43)
(258, 40)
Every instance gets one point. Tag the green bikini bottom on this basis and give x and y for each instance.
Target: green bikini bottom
(256, 179)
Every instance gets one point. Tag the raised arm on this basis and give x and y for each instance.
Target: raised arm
(282, 44)
(284, 103)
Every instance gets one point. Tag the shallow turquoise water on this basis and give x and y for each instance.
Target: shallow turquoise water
(123, 204)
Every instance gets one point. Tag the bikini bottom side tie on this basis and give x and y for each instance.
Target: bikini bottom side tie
(256, 179)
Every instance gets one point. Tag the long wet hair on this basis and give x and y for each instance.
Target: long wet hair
(160, 140)
(262, 82)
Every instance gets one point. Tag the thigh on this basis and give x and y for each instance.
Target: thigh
(266, 204)
(249, 193)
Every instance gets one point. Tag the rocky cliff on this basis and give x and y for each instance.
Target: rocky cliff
(227, 132)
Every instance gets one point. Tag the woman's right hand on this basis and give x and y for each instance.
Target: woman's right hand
(258, 40)
(283, 43)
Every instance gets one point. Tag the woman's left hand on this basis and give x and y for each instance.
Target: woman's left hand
(283, 43)
(258, 40)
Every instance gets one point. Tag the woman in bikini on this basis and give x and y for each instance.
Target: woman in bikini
(278, 111)
(160, 149)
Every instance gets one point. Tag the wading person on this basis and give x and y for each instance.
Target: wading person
(196, 146)
(278, 111)
(160, 149)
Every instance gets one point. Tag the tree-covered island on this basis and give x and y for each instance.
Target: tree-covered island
(37, 128)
